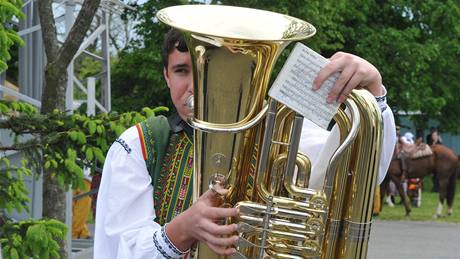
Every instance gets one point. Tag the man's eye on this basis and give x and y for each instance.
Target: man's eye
(181, 71)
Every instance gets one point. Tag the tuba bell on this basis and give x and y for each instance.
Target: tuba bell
(249, 143)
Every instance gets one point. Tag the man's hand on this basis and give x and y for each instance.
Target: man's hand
(199, 223)
(355, 72)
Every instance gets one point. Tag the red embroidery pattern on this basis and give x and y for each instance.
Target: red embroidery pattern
(175, 178)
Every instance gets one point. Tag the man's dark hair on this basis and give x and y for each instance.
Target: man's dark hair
(173, 40)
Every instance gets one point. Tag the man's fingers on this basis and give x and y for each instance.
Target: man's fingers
(219, 213)
(222, 241)
(216, 229)
(325, 73)
(337, 55)
(221, 250)
(337, 62)
(213, 197)
(339, 86)
(352, 84)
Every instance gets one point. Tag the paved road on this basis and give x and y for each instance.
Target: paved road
(401, 240)
(414, 240)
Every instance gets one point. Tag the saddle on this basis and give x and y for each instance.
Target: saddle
(420, 151)
(424, 151)
(412, 151)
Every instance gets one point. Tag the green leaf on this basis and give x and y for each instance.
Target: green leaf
(61, 179)
(47, 164)
(92, 127)
(14, 253)
(6, 161)
(54, 164)
(71, 153)
(89, 154)
(81, 137)
(160, 109)
(3, 107)
(15, 106)
(148, 112)
(104, 146)
(35, 232)
(99, 155)
(119, 130)
(73, 135)
(100, 129)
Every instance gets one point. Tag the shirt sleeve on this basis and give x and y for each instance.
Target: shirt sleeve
(319, 145)
(125, 226)
(389, 142)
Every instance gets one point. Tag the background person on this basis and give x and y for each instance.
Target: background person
(81, 209)
(408, 138)
(434, 138)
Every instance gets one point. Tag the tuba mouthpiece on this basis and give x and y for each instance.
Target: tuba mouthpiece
(189, 105)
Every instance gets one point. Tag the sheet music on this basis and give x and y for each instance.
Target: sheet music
(293, 86)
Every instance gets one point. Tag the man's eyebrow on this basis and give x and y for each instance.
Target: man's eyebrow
(182, 65)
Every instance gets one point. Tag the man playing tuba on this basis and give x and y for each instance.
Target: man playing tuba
(140, 216)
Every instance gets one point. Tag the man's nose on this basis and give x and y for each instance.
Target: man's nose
(190, 87)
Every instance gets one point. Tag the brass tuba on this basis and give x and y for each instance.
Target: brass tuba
(250, 144)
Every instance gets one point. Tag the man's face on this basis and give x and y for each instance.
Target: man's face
(179, 78)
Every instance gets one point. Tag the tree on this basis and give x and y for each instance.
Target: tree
(30, 238)
(137, 77)
(54, 87)
(415, 45)
(61, 143)
(8, 37)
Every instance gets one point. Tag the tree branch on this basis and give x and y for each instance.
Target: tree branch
(78, 32)
(113, 40)
(17, 148)
(48, 28)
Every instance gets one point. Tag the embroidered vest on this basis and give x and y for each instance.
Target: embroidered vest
(169, 160)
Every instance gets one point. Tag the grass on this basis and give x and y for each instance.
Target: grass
(430, 202)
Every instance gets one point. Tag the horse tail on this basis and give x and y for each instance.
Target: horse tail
(451, 187)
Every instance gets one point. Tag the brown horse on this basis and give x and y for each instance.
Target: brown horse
(443, 162)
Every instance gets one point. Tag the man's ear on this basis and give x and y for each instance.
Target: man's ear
(166, 76)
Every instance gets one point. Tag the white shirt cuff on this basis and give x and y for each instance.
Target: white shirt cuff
(165, 246)
(382, 100)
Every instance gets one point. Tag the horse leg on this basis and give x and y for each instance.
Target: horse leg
(435, 180)
(419, 201)
(402, 194)
(442, 195)
(451, 186)
(383, 190)
(390, 194)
